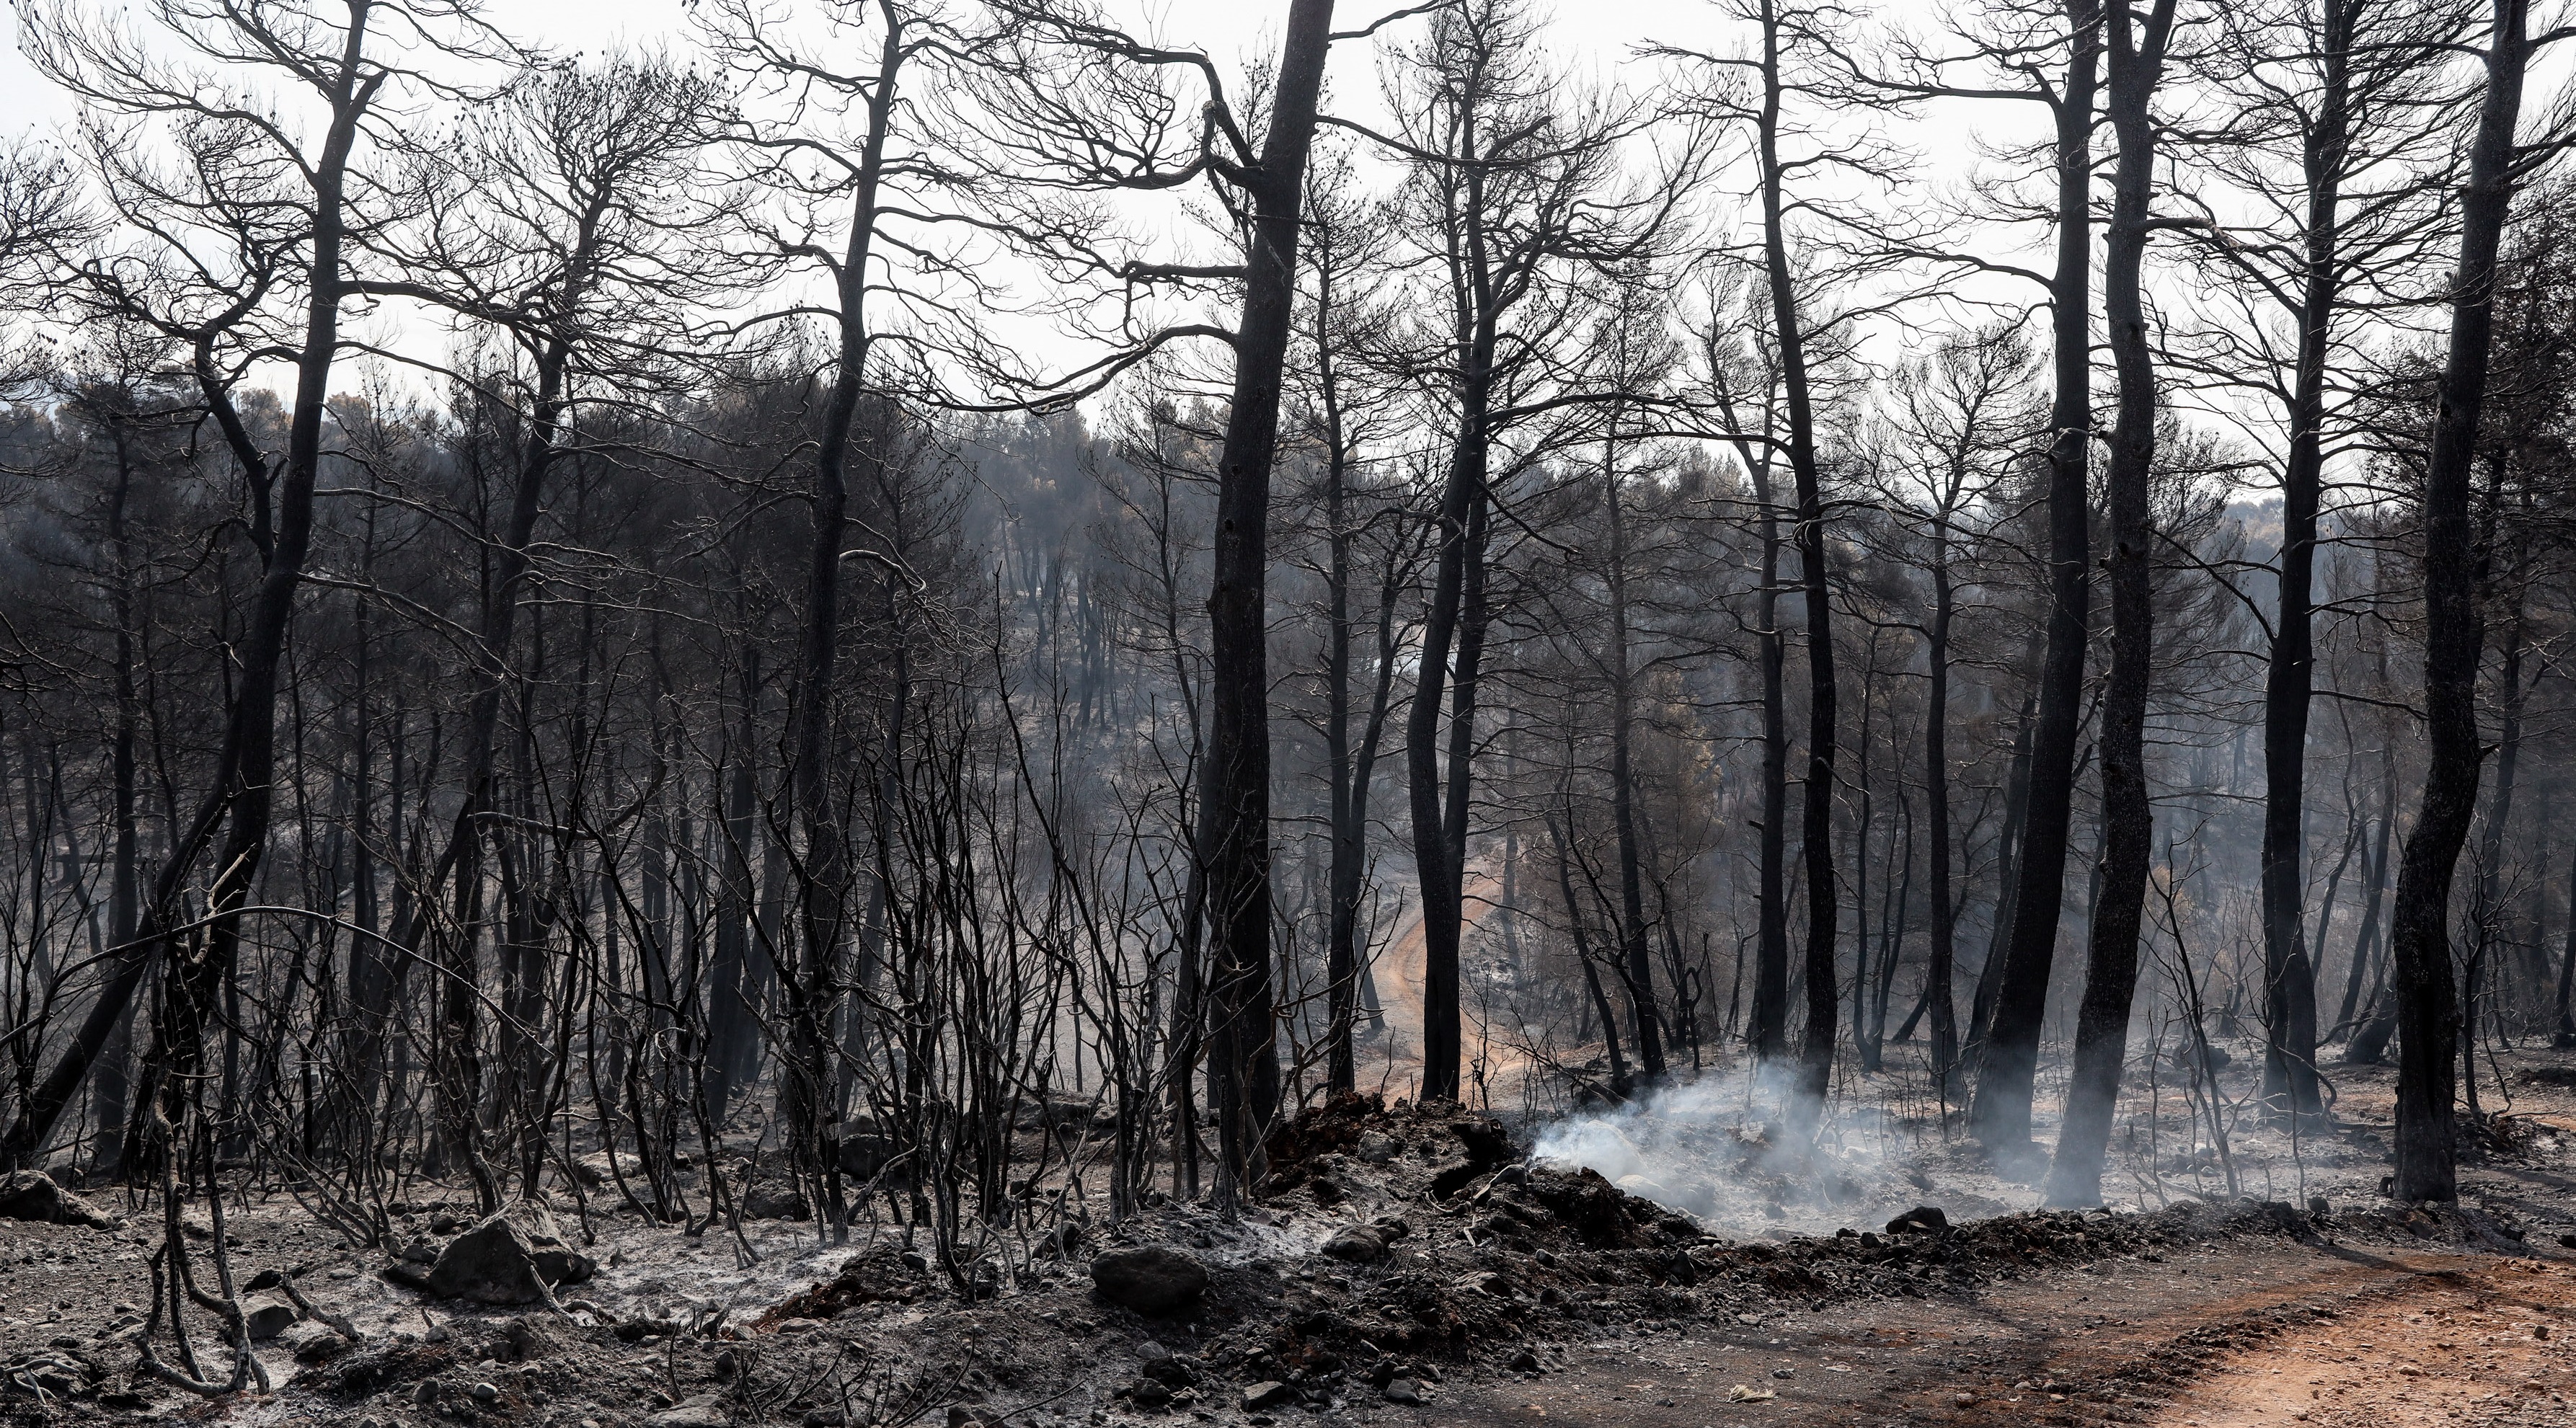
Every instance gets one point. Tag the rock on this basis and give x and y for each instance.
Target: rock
(1645, 1187)
(597, 1169)
(1401, 1390)
(1147, 1393)
(444, 1223)
(1356, 1244)
(1376, 1149)
(486, 1393)
(33, 1195)
(779, 1203)
(265, 1279)
(314, 1343)
(1151, 1279)
(1922, 1219)
(507, 1258)
(1270, 1394)
(701, 1412)
(267, 1316)
(864, 1150)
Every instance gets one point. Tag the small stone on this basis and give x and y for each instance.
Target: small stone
(1401, 1390)
(1356, 1244)
(1268, 1395)
(485, 1393)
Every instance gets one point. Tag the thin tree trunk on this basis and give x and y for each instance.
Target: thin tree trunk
(1816, 1058)
(2289, 972)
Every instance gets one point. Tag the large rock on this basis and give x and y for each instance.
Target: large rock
(267, 1316)
(33, 1195)
(507, 1258)
(1151, 1279)
(862, 1147)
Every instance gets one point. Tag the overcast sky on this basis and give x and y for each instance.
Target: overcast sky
(1598, 32)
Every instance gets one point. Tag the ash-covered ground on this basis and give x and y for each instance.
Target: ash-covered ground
(1401, 1264)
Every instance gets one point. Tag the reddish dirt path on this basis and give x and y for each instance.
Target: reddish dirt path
(2223, 1336)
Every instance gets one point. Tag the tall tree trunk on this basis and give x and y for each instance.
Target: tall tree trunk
(2454, 636)
(733, 1029)
(1769, 1032)
(110, 1092)
(1941, 971)
(807, 1088)
(1990, 973)
(2000, 1112)
(2289, 973)
(1234, 780)
(2563, 1019)
(240, 799)
(1816, 1057)
(2128, 817)
(1643, 1014)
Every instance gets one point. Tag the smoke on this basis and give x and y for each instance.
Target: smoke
(1717, 1148)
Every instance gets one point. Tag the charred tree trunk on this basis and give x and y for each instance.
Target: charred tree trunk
(1816, 1057)
(1644, 1015)
(2289, 972)
(2128, 842)
(2001, 1110)
(240, 799)
(1941, 972)
(2454, 636)
(1769, 1032)
(1234, 781)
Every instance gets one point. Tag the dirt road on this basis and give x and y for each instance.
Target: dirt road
(2223, 1336)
